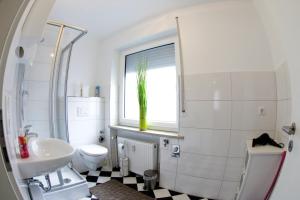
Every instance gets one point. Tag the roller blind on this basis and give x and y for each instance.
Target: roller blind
(158, 57)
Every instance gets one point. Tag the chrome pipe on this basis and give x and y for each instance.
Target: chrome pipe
(52, 95)
(54, 75)
(56, 71)
(74, 40)
(40, 184)
(60, 177)
(181, 87)
(66, 91)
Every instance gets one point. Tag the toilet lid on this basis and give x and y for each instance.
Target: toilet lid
(93, 150)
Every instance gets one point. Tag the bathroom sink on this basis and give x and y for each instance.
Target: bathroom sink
(46, 155)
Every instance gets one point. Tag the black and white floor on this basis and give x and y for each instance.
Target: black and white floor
(134, 181)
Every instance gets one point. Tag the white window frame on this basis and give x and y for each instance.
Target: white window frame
(174, 127)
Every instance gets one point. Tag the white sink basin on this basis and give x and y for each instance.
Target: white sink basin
(45, 156)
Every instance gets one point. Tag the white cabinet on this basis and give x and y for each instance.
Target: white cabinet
(261, 165)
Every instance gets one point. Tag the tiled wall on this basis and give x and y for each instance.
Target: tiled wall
(223, 110)
(283, 103)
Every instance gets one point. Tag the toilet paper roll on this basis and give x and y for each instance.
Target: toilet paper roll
(121, 150)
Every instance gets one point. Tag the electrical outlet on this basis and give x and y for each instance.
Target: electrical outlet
(175, 150)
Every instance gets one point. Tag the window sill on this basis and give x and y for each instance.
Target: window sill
(148, 132)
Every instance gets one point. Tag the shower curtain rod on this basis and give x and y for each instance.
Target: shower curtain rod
(53, 78)
(59, 24)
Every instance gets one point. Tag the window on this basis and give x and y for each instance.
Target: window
(162, 98)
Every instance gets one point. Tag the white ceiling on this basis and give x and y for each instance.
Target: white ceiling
(105, 17)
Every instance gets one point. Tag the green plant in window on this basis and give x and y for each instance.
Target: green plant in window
(142, 93)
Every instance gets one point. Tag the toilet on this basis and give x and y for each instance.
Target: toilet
(86, 132)
(92, 155)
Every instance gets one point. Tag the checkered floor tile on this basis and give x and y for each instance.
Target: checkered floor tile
(134, 181)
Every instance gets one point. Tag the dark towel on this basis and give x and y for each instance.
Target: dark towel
(265, 139)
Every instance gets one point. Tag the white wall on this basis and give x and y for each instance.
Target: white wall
(84, 65)
(225, 50)
(284, 16)
(283, 102)
(222, 112)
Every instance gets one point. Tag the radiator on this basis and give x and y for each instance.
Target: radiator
(142, 155)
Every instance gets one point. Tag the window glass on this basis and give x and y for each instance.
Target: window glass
(161, 84)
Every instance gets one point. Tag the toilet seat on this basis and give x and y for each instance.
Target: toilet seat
(93, 150)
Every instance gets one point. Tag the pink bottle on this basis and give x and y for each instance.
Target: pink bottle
(24, 153)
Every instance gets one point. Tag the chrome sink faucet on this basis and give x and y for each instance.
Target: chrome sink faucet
(27, 129)
(28, 133)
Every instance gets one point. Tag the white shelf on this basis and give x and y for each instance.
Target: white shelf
(267, 149)
(148, 132)
(76, 99)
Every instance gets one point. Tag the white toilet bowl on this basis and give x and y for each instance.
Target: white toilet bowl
(93, 155)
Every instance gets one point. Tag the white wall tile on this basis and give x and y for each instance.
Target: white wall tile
(168, 146)
(50, 35)
(238, 141)
(246, 115)
(37, 90)
(197, 186)
(207, 114)
(234, 167)
(253, 85)
(167, 179)
(38, 72)
(210, 167)
(167, 162)
(92, 108)
(214, 86)
(283, 114)
(85, 132)
(228, 190)
(282, 138)
(36, 110)
(40, 127)
(205, 141)
(100, 110)
(43, 54)
(283, 82)
(283, 119)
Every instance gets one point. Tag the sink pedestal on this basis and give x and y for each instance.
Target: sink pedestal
(74, 190)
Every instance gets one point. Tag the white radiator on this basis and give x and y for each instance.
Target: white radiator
(142, 155)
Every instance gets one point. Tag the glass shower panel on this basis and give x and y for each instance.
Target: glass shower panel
(61, 129)
(34, 89)
(42, 94)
